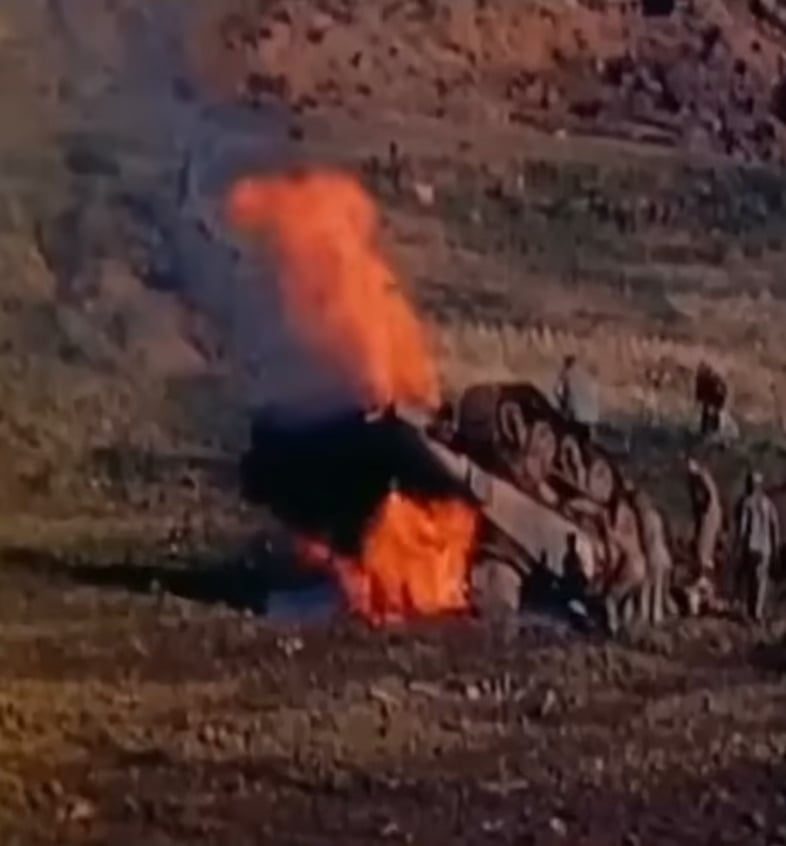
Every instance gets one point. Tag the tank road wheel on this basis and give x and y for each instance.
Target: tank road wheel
(571, 463)
(541, 452)
(626, 526)
(476, 415)
(512, 426)
(495, 593)
(514, 431)
(600, 480)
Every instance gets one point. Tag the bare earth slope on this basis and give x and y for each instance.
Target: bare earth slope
(593, 169)
(139, 716)
(705, 75)
(587, 167)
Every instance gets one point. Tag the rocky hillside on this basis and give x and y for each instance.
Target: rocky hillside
(107, 365)
(578, 166)
(598, 167)
(703, 74)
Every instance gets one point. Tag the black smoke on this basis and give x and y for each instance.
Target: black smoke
(147, 153)
(328, 478)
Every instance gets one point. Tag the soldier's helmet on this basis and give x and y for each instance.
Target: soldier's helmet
(753, 481)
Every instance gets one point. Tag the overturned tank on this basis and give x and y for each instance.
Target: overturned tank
(538, 481)
(515, 434)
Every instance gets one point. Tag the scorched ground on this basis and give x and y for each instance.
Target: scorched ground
(131, 715)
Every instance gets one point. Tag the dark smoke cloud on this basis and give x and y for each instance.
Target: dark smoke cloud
(128, 97)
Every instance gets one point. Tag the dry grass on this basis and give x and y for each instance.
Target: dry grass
(644, 376)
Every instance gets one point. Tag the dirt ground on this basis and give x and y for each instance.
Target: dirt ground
(594, 193)
(130, 713)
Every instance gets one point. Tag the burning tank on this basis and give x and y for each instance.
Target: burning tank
(502, 449)
(406, 508)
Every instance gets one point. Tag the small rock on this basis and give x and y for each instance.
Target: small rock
(424, 194)
(756, 820)
(138, 648)
(81, 810)
(290, 645)
(472, 692)
(36, 799)
(240, 784)
(383, 696)
(53, 788)
(492, 826)
(390, 829)
(548, 705)
(558, 826)
(424, 689)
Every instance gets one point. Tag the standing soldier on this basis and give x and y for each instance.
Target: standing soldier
(576, 395)
(658, 557)
(707, 524)
(710, 393)
(628, 576)
(574, 577)
(758, 539)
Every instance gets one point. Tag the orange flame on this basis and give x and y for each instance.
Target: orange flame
(344, 302)
(415, 558)
(339, 295)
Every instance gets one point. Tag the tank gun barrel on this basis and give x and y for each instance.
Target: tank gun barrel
(539, 530)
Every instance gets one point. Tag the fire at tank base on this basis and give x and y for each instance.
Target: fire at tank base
(328, 479)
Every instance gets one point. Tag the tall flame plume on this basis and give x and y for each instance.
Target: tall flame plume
(339, 295)
(343, 302)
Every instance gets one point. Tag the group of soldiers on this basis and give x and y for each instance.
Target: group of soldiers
(754, 527)
(755, 541)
